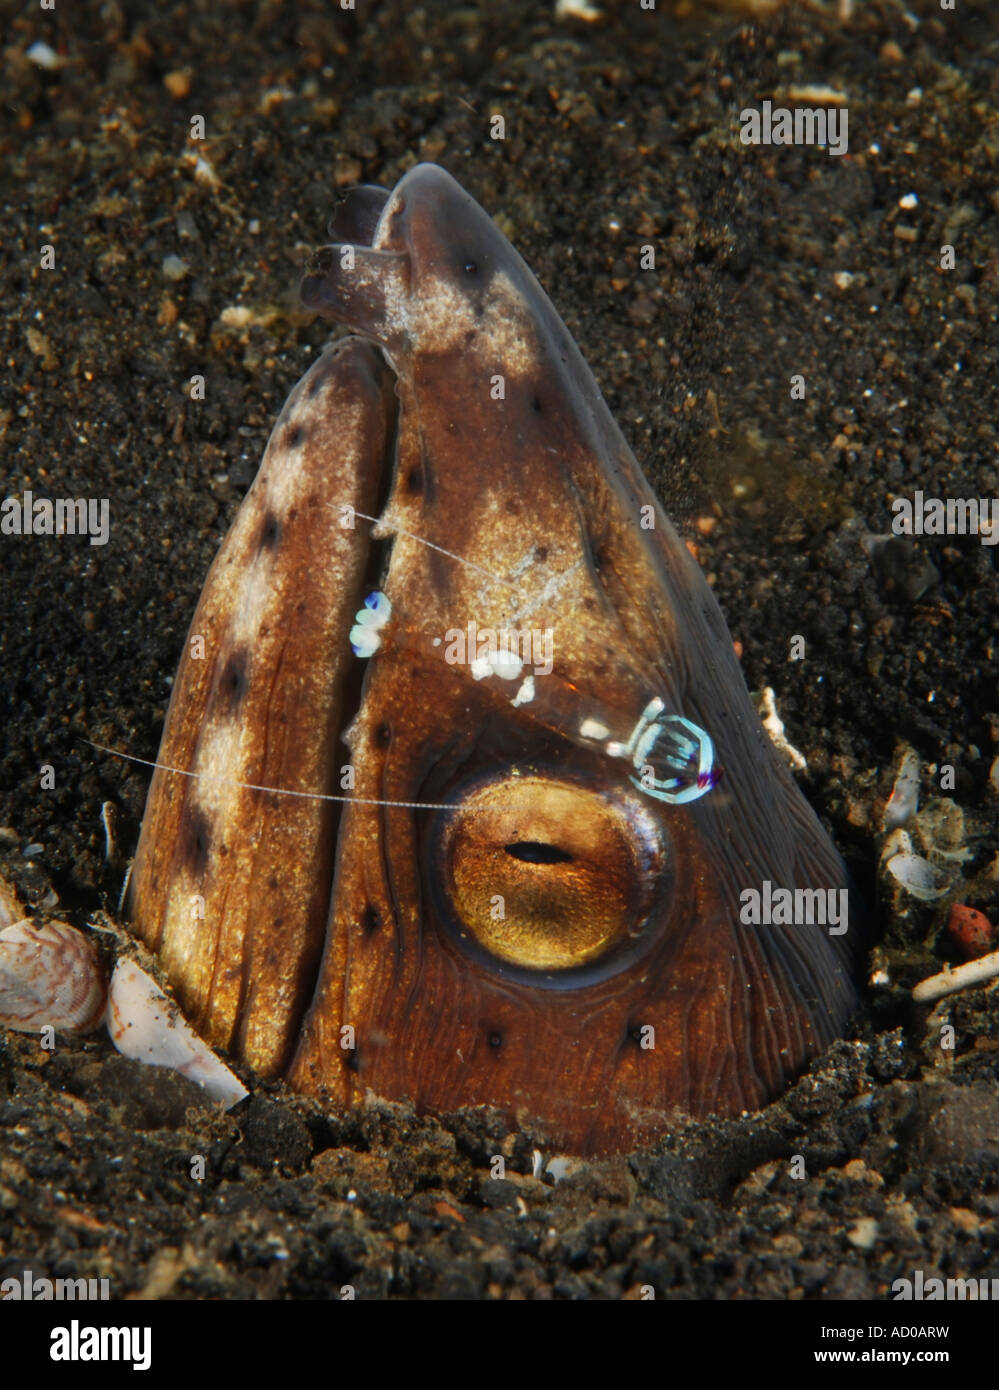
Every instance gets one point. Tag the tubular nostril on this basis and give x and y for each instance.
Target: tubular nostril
(533, 852)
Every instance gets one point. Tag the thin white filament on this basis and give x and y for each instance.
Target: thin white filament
(276, 791)
(411, 535)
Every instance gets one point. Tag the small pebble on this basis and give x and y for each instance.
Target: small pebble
(970, 930)
(43, 56)
(863, 1233)
(178, 84)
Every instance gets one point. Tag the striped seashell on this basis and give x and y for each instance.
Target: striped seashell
(50, 976)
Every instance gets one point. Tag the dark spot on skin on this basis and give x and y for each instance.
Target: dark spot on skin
(633, 1032)
(537, 406)
(414, 480)
(270, 532)
(475, 277)
(371, 920)
(351, 1060)
(233, 682)
(272, 882)
(294, 436)
(315, 386)
(383, 735)
(495, 1040)
(195, 840)
(428, 479)
(541, 553)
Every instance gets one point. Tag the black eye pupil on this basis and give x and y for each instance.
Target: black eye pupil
(533, 852)
(470, 267)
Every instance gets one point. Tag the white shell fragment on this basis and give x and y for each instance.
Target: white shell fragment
(913, 874)
(50, 976)
(904, 800)
(564, 1166)
(975, 972)
(578, 9)
(766, 703)
(918, 876)
(149, 1027)
(43, 55)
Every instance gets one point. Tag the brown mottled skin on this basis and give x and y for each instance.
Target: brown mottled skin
(263, 705)
(452, 1001)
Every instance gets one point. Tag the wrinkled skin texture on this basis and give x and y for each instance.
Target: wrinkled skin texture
(556, 942)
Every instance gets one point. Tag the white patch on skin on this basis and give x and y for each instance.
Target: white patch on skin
(447, 317)
(524, 563)
(551, 592)
(480, 668)
(252, 581)
(592, 728)
(249, 601)
(283, 487)
(441, 314)
(219, 766)
(525, 694)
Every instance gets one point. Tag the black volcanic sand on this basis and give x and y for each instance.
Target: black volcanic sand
(616, 136)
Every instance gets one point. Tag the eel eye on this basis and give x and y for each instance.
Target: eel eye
(544, 876)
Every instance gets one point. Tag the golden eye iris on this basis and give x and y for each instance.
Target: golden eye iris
(548, 875)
